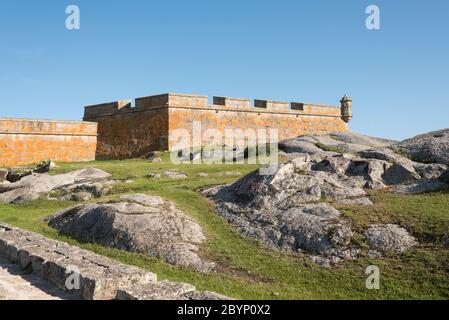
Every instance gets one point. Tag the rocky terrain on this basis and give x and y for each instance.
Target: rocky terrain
(137, 223)
(52, 262)
(78, 185)
(432, 147)
(334, 197)
(290, 207)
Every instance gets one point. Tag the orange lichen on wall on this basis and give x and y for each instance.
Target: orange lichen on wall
(126, 132)
(25, 141)
(289, 125)
(131, 134)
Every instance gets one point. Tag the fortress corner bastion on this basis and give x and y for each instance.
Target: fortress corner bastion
(126, 132)
(121, 130)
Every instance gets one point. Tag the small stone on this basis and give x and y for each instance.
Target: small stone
(422, 186)
(389, 237)
(77, 196)
(154, 156)
(154, 175)
(230, 173)
(17, 174)
(44, 166)
(357, 201)
(175, 175)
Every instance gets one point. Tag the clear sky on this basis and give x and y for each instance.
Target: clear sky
(302, 50)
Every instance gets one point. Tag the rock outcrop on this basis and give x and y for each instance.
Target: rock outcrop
(100, 278)
(137, 223)
(347, 142)
(289, 206)
(31, 187)
(432, 147)
(389, 237)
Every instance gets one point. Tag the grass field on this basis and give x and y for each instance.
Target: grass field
(246, 270)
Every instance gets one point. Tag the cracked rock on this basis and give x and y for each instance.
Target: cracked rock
(137, 223)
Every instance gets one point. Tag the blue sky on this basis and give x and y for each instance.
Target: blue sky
(309, 50)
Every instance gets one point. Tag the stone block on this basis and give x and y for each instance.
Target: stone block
(173, 100)
(105, 108)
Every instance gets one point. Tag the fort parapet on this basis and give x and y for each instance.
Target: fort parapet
(24, 141)
(126, 132)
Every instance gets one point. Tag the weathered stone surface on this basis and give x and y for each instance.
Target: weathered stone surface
(431, 171)
(348, 142)
(3, 175)
(137, 223)
(300, 145)
(358, 201)
(432, 147)
(100, 278)
(399, 174)
(18, 284)
(55, 261)
(421, 187)
(30, 187)
(360, 139)
(274, 209)
(163, 290)
(205, 295)
(77, 196)
(167, 290)
(389, 237)
(175, 174)
(284, 209)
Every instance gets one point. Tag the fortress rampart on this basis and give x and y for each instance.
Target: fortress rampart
(125, 131)
(118, 130)
(24, 141)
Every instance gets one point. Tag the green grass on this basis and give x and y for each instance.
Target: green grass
(245, 269)
(328, 148)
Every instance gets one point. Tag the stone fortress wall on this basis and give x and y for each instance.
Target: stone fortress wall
(118, 130)
(24, 141)
(125, 131)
